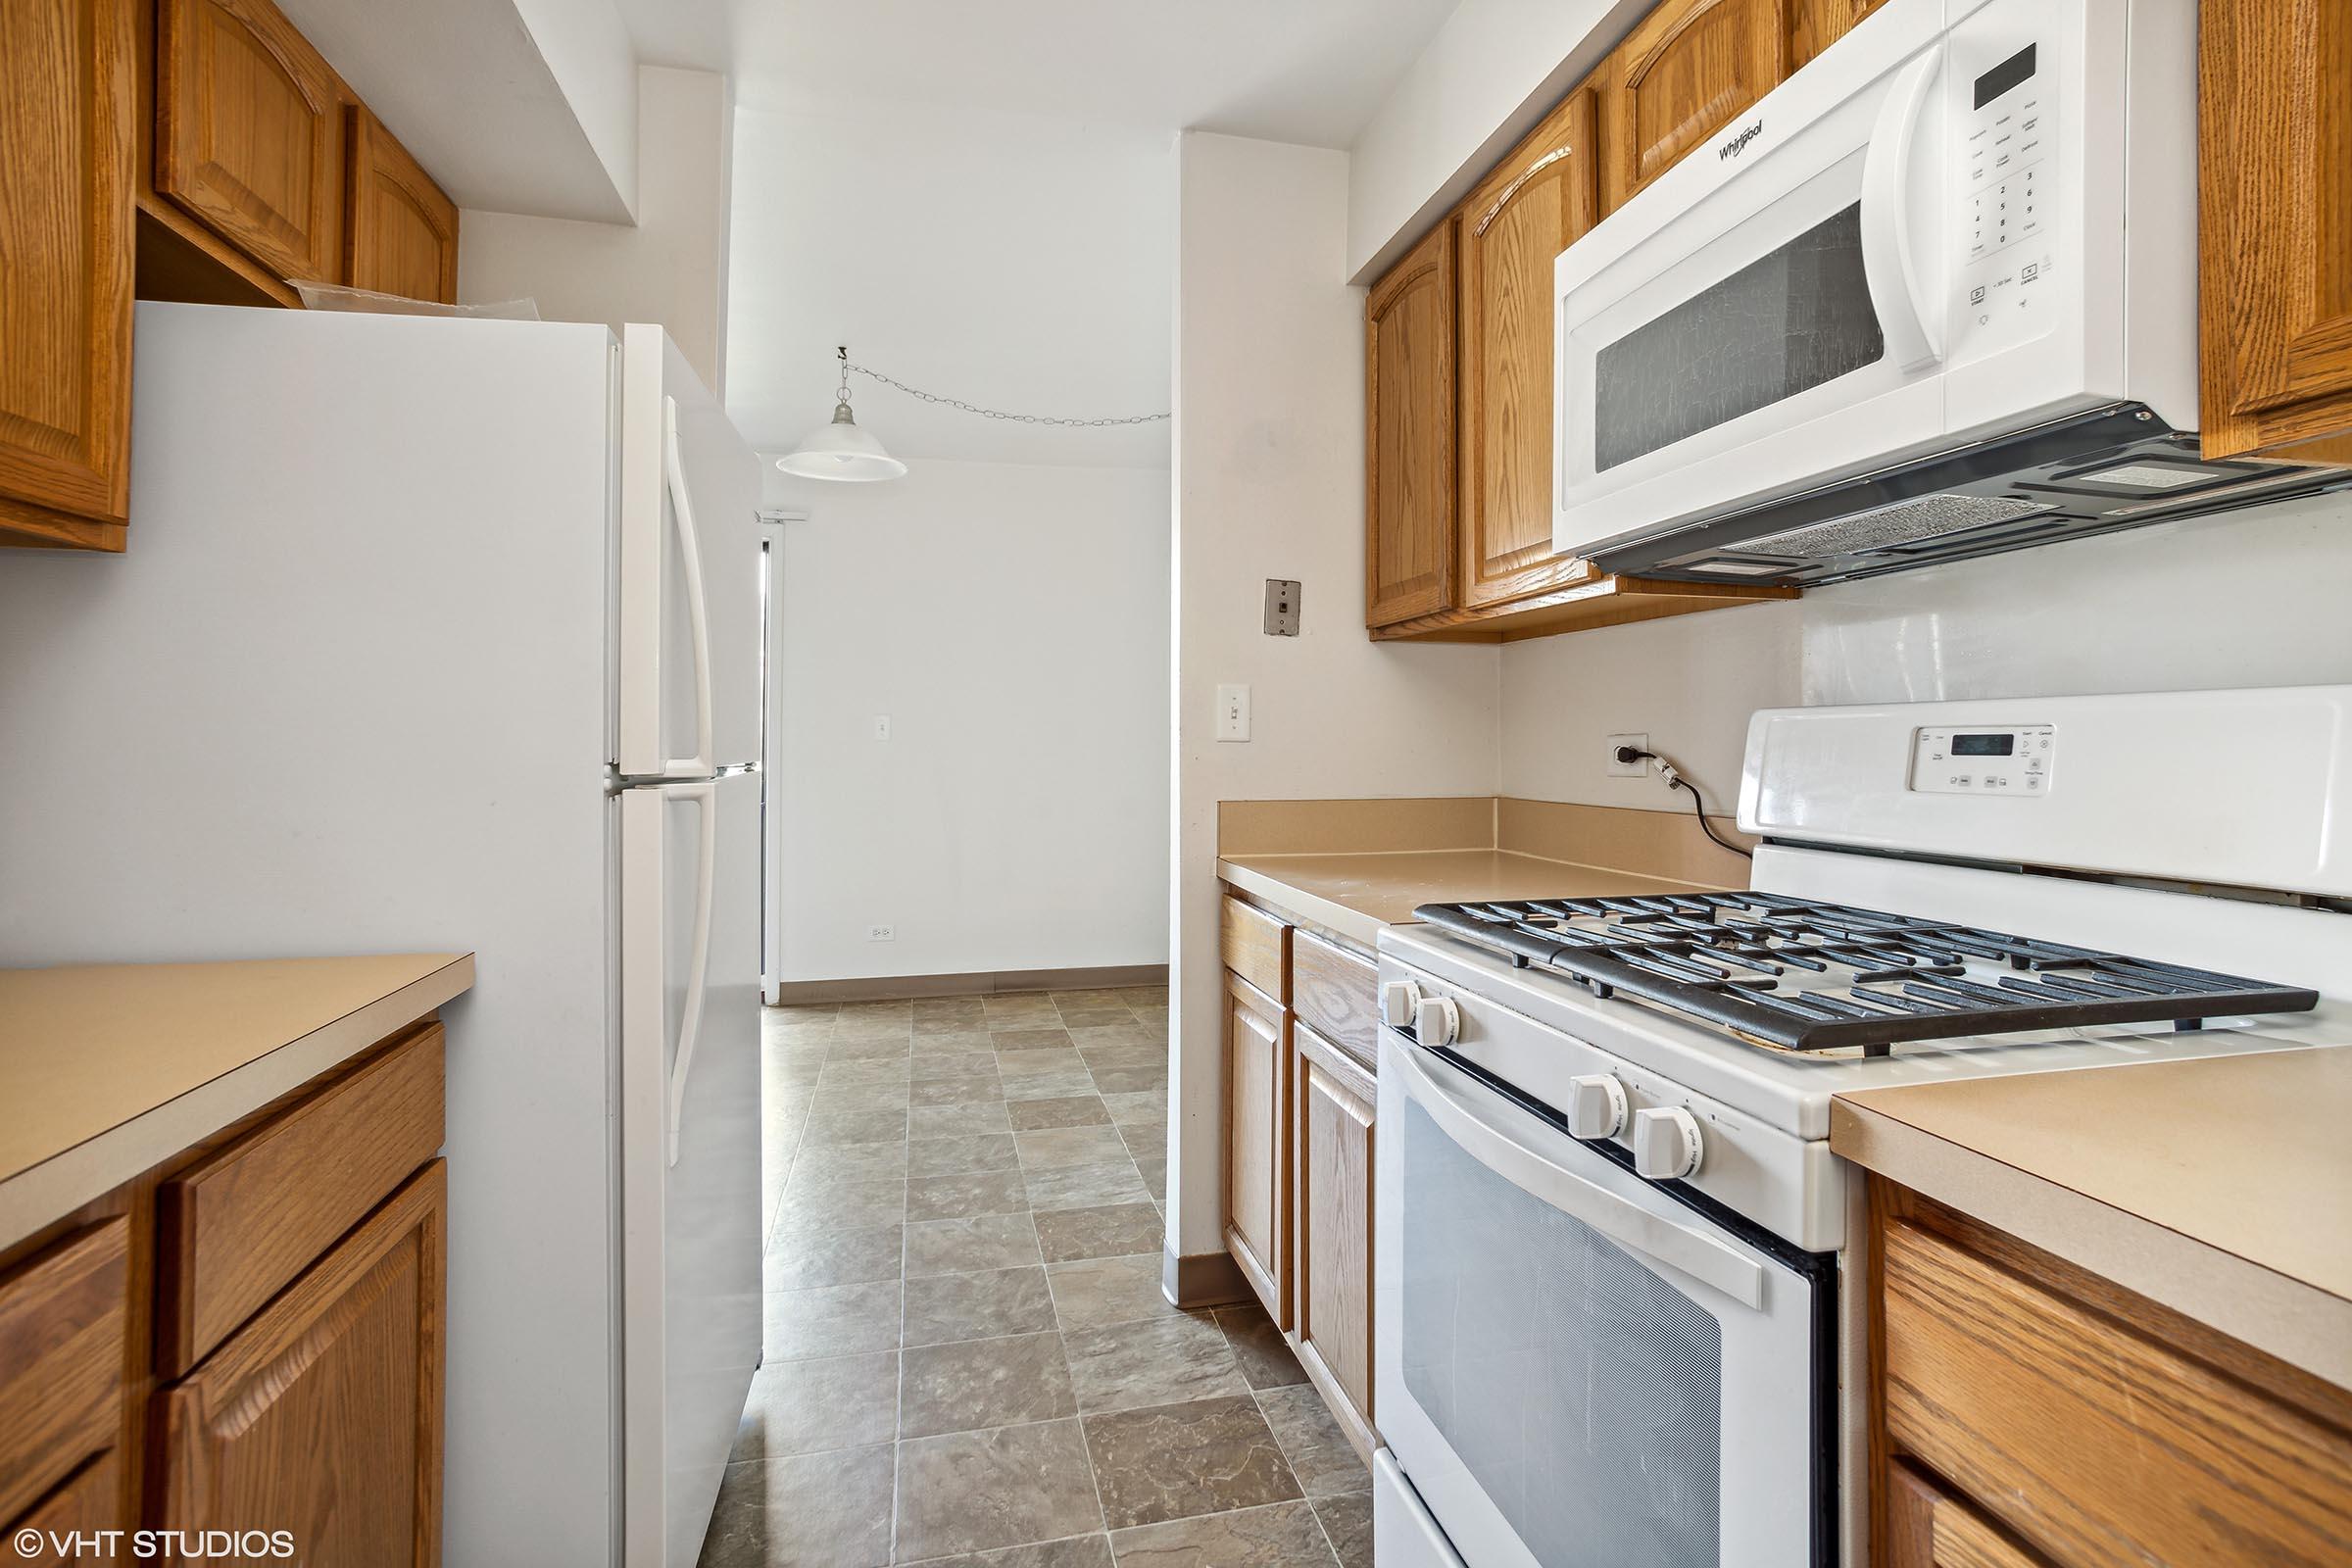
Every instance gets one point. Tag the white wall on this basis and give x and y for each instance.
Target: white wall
(1493, 70)
(587, 48)
(1012, 620)
(1269, 454)
(2255, 598)
(670, 266)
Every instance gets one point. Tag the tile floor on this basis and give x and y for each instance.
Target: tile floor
(968, 1360)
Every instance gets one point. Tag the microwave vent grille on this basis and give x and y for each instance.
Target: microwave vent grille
(1901, 523)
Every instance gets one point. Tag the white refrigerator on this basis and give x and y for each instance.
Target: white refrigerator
(445, 635)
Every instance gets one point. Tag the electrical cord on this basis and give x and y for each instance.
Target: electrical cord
(1675, 780)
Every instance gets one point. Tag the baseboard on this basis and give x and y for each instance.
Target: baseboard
(1202, 1279)
(896, 987)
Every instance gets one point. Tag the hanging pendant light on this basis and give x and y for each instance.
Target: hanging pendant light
(840, 450)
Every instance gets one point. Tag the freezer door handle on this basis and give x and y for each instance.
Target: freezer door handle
(698, 956)
(689, 553)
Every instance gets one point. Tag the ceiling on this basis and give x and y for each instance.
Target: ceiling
(1298, 70)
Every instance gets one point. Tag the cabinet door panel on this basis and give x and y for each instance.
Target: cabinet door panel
(1534, 206)
(81, 1505)
(322, 1415)
(249, 132)
(1815, 24)
(1409, 435)
(65, 226)
(401, 234)
(2275, 174)
(1255, 1197)
(1678, 78)
(1333, 1190)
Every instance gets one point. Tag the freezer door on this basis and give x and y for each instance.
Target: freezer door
(687, 644)
(690, 1149)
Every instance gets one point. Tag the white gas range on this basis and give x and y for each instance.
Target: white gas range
(1610, 1231)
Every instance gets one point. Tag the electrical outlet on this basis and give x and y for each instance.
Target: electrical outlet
(1233, 712)
(1635, 768)
(881, 727)
(881, 933)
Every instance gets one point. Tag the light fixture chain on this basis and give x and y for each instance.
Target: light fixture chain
(999, 414)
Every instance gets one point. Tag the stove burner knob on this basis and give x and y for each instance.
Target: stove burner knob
(1436, 1021)
(1596, 1106)
(1666, 1143)
(1399, 1000)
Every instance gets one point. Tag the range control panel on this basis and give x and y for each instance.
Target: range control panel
(1985, 762)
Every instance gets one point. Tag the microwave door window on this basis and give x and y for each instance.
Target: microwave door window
(1785, 323)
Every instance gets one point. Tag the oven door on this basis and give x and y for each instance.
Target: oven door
(1573, 1367)
(1770, 315)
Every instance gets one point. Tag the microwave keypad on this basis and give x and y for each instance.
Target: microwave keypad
(2007, 139)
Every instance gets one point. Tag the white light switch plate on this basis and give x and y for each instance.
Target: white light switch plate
(881, 727)
(1233, 712)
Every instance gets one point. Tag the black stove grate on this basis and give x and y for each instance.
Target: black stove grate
(1802, 975)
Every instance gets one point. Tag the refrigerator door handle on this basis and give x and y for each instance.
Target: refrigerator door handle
(690, 552)
(698, 958)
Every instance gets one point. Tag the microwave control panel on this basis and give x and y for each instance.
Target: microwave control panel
(2004, 109)
(1985, 762)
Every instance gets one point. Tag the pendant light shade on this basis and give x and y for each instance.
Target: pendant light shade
(840, 450)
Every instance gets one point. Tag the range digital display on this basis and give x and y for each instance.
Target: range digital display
(1983, 745)
(2005, 75)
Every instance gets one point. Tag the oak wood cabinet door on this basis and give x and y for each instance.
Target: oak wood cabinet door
(1513, 227)
(401, 230)
(1815, 24)
(1409, 435)
(322, 1415)
(249, 132)
(1681, 76)
(2275, 200)
(1332, 1205)
(1256, 1198)
(1926, 1527)
(66, 240)
(85, 1503)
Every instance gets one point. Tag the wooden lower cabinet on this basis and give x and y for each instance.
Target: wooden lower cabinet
(2029, 1413)
(322, 1416)
(87, 1501)
(1332, 1190)
(1257, 1175)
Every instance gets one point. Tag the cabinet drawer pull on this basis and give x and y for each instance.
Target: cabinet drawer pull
(1512, 189)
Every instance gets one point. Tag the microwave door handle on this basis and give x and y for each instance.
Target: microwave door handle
(1693, 1251)
(1889, 261)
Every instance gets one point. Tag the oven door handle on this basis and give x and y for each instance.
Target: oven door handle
(1693, 1251)
(1890, 267)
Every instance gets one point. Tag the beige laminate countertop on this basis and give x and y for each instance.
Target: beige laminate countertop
(106, 1070)
(1356, 895)
(2220, 1187)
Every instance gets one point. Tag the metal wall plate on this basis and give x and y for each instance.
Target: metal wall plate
(1282, 607)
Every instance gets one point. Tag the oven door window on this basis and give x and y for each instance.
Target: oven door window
(1787, 322)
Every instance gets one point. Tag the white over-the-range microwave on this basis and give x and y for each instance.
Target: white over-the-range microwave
(1933, 296)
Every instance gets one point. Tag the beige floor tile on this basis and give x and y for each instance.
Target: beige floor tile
(971, 1383)
(1048, 1036)
(1146, 1139)
(868, 1048)
(954, 1043)
(1348, 1523)
(1281, 1534)
(816, 1204)
(931, 1066)
(1113, 1231)
(1157, 1361)
(958, 1122)
(1155, 1173)
(1016, 1014)
(867, 1070)
(964, 1194)
(854, 1127)
(1061, 1084)
(938, 1015)
(1259, 1345)
(938, 1156)
(1073, 1110)
(799, 1262)
(1110, 1081)
(1125, 1035)
(969, 1090)
(844, 1401)
(1085, 1186)
(1173, 1461)
(974, 1490)
(1016, 1061)
(1144, 995)
(832, 1320)
(969, 1246)
(1079, 1551)
(1128, 1111)
(819, 1511)
(1107, 1290)
(849, 1163)
(1320, 1455)
(1121, 1054)
(1049, 1147)
(830, 1098)
(977, 1306)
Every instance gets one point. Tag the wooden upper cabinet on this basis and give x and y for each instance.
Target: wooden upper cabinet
(400, 230)
(65, 269)
(1409, 435)
(249, 133)
(1815, 24)
(1679, 77)
(2274, 192)
(1514, 225)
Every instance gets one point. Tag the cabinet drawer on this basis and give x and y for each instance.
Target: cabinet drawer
(236, 1227)
(2089, 1440)
(61, 1355)
(1257, 947)
(87, 1503)
(1338, 993)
